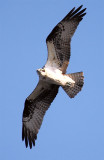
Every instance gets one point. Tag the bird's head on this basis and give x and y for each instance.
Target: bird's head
(41, 71)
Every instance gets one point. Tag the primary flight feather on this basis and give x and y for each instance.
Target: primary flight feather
(52, 76)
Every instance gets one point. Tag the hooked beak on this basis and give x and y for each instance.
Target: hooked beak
(38, 71)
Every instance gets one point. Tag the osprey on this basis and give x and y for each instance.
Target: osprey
(52, 76)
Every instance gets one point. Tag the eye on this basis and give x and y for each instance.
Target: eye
(43, 70)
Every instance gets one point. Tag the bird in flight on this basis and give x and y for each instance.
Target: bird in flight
(52, 76)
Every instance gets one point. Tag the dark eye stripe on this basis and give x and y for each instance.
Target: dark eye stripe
(43, 70)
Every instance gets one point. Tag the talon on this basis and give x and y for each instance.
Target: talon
(68, 84)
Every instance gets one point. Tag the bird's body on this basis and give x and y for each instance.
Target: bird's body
(52, 76)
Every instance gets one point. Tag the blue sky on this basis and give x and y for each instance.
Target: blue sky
(72, 129)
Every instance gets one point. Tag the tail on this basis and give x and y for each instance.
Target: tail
(73, 89)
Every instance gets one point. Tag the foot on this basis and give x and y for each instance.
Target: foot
(68, 84)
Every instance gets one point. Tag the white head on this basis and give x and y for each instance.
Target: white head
(41, 71)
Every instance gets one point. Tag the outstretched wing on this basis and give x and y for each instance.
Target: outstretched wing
(35, 107)
(58, 41)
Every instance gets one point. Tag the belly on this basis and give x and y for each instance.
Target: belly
(56, 78)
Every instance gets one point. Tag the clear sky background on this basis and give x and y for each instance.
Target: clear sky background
(73, 129)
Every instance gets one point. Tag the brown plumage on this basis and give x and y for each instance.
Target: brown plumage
(52, 76)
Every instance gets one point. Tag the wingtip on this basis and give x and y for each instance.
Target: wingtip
(83, 10)
(73, 9)
(74, 12)
(26, 142)
(80, 6)
(29, 140)
(30, 146)
(78, 10)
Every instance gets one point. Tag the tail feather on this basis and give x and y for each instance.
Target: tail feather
(73, 89)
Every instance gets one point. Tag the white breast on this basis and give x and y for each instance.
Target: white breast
(56, 75)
